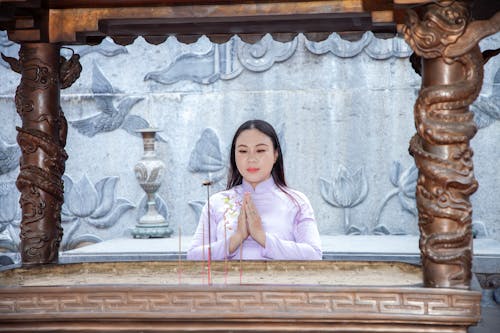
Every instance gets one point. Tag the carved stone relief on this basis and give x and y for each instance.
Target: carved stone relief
(110, 116)
(405, 182)
(96, 205)
(10, 216)
(347, 190)
(375, 47)
(9, 156)
(487, 108)
(215, 64)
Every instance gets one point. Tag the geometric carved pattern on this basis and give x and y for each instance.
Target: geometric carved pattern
(411, 305)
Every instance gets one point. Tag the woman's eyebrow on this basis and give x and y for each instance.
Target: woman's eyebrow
(245, 146)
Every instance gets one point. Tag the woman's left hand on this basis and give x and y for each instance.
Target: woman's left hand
(254, 222)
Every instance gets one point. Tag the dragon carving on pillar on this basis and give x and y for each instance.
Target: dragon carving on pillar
(42, 138)
(452, 73)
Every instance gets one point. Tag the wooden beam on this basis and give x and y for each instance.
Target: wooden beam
(412, 2)
(382, 16)
(201, 26)
(65, 23)
(58, 4)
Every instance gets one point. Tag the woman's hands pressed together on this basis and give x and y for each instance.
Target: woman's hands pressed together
(254, 223)
(249, 224)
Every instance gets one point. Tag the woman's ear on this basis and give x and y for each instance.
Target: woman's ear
(275, 156)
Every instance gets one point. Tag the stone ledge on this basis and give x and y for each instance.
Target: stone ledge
(341, 248)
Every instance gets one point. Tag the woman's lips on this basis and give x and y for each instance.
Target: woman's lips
(252, 170)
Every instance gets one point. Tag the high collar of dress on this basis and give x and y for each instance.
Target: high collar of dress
(261, 187)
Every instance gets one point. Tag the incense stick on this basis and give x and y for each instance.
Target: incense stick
(225, 254)
(207, 183)
(241, 258)
(179, 268)
(203, 254)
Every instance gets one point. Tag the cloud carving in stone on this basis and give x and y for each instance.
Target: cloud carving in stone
(261, 56)
(201, 62)
(205, 62)
(106, 48)
(374, 47)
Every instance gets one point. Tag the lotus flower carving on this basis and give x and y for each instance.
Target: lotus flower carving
(207, 157)
(91, 204)
(405, 183)
(347, 190)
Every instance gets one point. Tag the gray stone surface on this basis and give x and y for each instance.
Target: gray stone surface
(339, 247)
(340, 107)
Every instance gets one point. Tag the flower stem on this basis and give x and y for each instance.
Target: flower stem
(346, 219)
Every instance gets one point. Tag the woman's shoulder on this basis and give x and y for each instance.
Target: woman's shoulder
(297, 195)
(225, 195)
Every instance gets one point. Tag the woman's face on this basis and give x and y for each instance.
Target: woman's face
(255, 156)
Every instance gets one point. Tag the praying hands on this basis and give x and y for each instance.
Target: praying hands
(254, 223)
(249, 224)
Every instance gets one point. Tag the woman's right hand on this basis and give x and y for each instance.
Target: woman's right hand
(241, 232)
(242, 229)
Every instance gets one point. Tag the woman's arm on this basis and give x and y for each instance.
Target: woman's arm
(307, 244)
(219, 248)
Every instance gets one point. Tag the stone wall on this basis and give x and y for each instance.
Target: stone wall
(343, 110)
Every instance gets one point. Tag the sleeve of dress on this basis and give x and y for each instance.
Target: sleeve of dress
(198, 249)
(307, 244)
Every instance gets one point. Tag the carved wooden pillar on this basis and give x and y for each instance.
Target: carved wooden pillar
(42, 138)
(452, 74)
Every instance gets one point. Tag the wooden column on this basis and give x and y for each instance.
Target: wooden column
(452, 75)
(42, 138)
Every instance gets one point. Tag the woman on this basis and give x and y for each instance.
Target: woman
(258, 216)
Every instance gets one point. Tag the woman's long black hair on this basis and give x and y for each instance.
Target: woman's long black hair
(278, 173)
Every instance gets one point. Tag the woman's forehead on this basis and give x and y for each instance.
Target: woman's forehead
(252, 137)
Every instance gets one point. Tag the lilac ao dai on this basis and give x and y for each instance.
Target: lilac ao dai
(290, 227)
